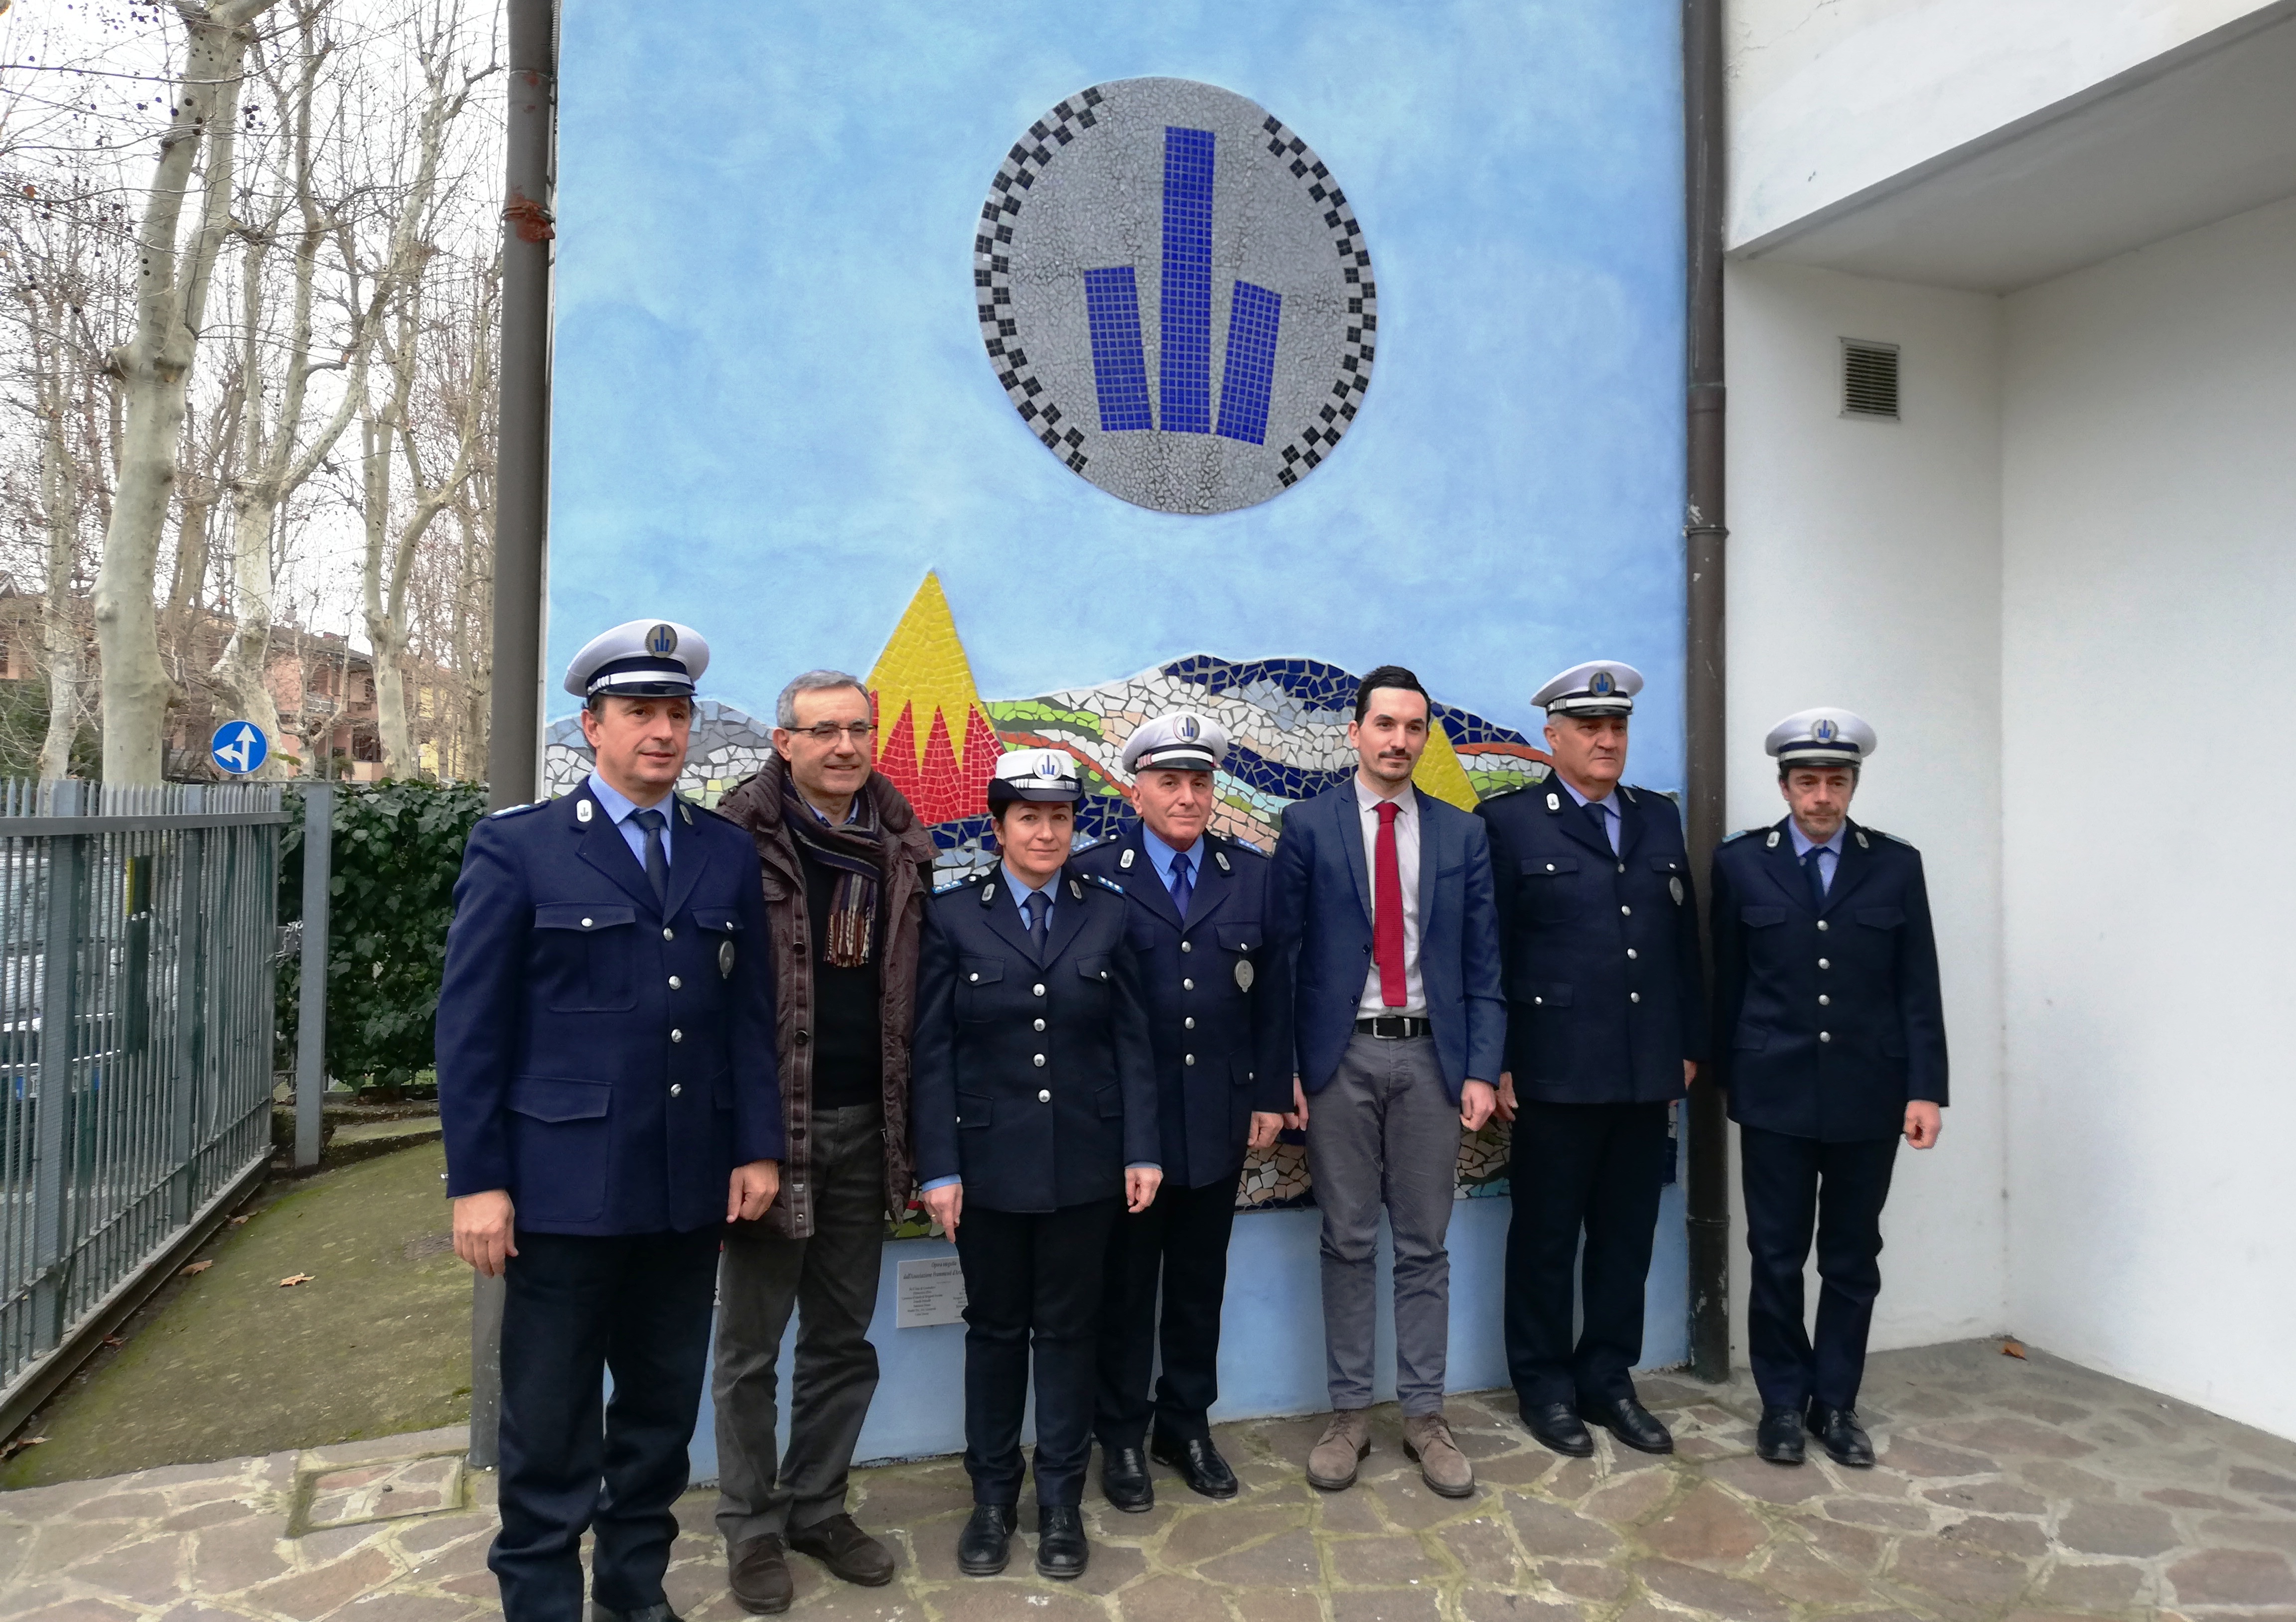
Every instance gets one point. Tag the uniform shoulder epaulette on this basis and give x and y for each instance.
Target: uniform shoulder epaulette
(1733, 839)
(962, 881)
(1513, 788)
(1243, 847)
(1106, 883)
(693, 806)
(1895, 838)
(532, 805)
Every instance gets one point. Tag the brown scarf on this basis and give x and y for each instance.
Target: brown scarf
(855, 852)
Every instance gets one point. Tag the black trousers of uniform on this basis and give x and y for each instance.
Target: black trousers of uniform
(1596, 1168)
(1180, 1243)
(575, 1308)
(1032, 1283)
(1792, 1184)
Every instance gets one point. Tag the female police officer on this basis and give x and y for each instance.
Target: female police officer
(1034, 1114)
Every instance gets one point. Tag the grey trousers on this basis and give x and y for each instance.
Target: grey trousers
(831, 1280)
(1383, 1133)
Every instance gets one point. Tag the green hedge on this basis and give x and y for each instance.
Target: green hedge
(397, 848)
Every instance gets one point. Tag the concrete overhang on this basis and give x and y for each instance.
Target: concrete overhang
(2194, 135)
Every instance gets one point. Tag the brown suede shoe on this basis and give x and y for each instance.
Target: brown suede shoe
(848, 1551)
(760, 1575)
(1332, 1463)
(1427, 1440)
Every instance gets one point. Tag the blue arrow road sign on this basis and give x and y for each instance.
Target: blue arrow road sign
(239, 746)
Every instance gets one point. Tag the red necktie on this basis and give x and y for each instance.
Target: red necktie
(1387, 912)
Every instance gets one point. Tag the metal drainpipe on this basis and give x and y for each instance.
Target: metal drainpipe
(522, 512)
(1704, 136)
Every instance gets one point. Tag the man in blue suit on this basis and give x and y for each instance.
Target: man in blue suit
(606, 1083)
(1384, 895)
(1830, 1031)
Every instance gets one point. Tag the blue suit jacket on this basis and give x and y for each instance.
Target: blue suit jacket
(1219, 1004)
(1843, 1068)
(606, 1059)
(1321, 903)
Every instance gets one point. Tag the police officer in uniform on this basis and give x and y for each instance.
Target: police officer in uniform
(1034, 1116)
(606, 1083)
(1606, 1016)
(1219, 1017)
(1829, 1032)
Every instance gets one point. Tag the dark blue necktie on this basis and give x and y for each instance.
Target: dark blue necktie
(1602, 815)
(1816, 877)
(1182, 886)
(657, 859)
(1039, 908)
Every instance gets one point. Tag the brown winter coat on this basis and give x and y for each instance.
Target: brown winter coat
(757, 805)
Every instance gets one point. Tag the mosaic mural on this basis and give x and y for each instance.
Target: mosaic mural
(938, 740)
(1166, 208)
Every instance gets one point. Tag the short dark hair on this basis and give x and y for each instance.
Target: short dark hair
(596, 702)
(1787, 768)
(1389, 676)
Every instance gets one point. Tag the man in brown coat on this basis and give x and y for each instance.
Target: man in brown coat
(846, 871)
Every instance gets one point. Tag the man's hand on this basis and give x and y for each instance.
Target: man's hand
(1506, 1105)
(1297, 1119)
(483, 1230)
(1265, 1125)
(1689, 1071)
(1477, 1100)
(752, 1190)
(1140, 1185)
(944, 1205)
(1924, 1122)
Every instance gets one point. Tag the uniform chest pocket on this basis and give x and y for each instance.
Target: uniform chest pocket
(978, 979)
(1548, 888)
(587, 956)
(721, 927)
(1761, 917)
(1882, 917)
(1670, 878)
(1095, 968)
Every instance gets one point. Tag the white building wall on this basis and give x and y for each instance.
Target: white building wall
(1865, 570)
(2148, 681)
(1830, 97)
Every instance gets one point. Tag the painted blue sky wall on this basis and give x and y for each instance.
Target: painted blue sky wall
(773, 412)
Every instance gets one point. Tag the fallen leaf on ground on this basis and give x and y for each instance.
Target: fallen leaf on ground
(20, 1444)
(296, 1278)
(115, 1340)
(2013, 1348)
(197, 1267)
(240, 1221)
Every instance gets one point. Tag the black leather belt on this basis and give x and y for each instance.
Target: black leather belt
(1391, 1025)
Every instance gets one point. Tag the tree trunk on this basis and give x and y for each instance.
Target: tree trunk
(154, 368)
(59, 632)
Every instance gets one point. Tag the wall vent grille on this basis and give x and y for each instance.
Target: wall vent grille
(1869, 380)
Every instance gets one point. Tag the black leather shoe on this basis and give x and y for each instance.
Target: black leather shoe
(1061, 1550)
(1556, 1425)
(849, 1552)
(1629, 1421)
(1124, 1479)
(644, 1613)
(1200, 1465)
(984, 1545)
(1779, 1440)
(1843, 1439)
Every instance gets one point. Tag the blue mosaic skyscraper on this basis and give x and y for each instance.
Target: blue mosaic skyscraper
(1183, 340)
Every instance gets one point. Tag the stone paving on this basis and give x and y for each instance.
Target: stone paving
(2019, 1490)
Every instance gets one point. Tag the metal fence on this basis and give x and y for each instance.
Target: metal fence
(137, 947)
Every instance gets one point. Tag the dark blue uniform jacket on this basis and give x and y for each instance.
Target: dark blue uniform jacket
(1032, 1078)
(1320, 895)
(1826, 1021)
(1604, 1000)
(1220, 1008)
(606, 1061)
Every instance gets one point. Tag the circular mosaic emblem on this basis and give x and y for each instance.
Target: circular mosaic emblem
(1176, 295)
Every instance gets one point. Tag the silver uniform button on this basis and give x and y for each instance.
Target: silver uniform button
(972, 977)
(1040, 1025)
(676, 984)
(1824, 964)
(669, 934)
(1824, 1001)
(675, 1089)
(1538, 1002)
(1189, 1023)
(1188, 1058)
(1622, 868)
(585, 923)
(1550, 867)
(1187, 946)
(1187, 985)
(1825, 1036)
(1626, 911)
(1040, 1061)
(1038, 990)
(1630, 954)
(1633, 996)
(677, 1036)
(1821, 926)
(1045, 1096)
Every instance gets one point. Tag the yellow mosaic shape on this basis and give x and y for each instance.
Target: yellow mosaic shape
(923, 664)
(1439, 773)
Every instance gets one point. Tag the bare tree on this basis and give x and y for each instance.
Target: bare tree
(154, 369)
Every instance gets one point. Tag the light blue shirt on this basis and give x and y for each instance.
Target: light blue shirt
(1609, 804)
(1160, 854)
(619, 807)
(1829, 861)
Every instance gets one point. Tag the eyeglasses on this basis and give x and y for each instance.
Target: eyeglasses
(829, 732)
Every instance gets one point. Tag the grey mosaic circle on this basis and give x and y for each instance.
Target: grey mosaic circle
(1176, 295)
